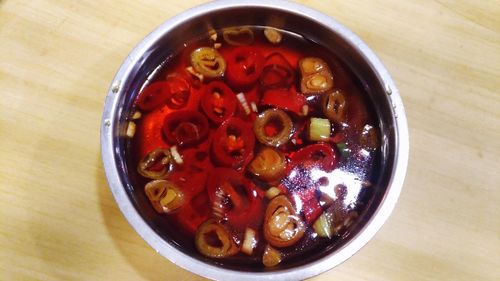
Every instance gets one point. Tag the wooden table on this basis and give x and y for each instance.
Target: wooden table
(60, 222)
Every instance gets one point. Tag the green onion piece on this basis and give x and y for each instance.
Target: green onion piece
(323, 225)
(272, 192)
(250, 241)
(344, 151)
(319, 129)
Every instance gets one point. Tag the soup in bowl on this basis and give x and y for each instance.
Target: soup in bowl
(254, 141)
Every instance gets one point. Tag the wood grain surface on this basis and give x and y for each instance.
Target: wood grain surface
(58, 220)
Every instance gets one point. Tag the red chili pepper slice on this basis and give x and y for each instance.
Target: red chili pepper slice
(191, 183)
(284, 99)
(234, 197)
(218, 176)
(197, 159)
(185, 127)
(218, 102)
(153, 96)
(303, 190)
(320, 156)
(194, 212)
(233, 143)
(244, 66)
(301, 181)
(337, 138)
(191, 176)
(149, 130)
(179, 91)
(277, 72)
(192, 179)
(311, 210)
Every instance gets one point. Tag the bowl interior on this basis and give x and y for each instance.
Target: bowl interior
(167, 39)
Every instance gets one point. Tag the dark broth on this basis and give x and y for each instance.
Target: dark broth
(350, 185)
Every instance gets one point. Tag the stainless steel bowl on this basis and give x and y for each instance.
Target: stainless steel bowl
(314, 26)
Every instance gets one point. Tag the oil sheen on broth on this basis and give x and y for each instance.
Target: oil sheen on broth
(255, 147)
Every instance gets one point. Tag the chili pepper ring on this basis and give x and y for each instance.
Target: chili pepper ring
(273, 127)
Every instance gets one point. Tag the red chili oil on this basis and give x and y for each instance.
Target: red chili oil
(349, 186)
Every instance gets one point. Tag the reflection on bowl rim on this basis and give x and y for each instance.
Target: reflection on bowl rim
(110, 123)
